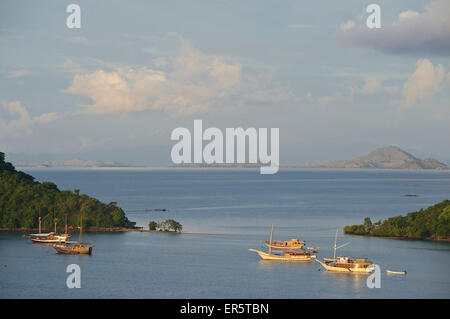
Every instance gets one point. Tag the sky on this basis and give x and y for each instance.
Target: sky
(114, 89)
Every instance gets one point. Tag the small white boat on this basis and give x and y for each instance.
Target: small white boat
(396, 272)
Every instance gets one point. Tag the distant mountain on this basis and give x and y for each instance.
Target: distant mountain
(74, 163)
(387, 157)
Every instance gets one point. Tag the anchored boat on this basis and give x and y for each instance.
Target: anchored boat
(346, 264)
(285, 244)
(349, 265)
(285, 256)
(284, 253)
(74, 248)
(49, 238)
(52, 237)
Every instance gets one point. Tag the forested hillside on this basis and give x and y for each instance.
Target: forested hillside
(430, 223)
(22, 199)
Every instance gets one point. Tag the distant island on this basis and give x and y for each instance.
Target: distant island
(217, 165)
(75, 163)
(22, 199)
(391, 157)
(432, 223)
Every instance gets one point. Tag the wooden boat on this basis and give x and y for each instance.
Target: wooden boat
(52, 237)
(49, 238)
(285, 244)
(285, 255)
(346, 264)
(396, 272)
(74, 248)
(349, 265)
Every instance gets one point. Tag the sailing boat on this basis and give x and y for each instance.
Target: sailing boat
(74, 247)
(346, 264)
(296, 254)
(52, 237)
(285, 244)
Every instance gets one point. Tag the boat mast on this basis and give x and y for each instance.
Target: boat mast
(39, 219)
(335, 241)
(55, 219)
(81, 226)
(271, 237)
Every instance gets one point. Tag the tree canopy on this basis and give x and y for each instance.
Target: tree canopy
(22, 199)
(432, 222)
(167, 225)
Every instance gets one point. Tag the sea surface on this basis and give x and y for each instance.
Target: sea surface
(225, 212)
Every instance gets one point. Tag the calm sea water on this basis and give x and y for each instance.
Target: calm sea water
(234, 209)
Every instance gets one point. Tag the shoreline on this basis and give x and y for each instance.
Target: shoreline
(139, 230)
(120, 230)
(90, 229)
(445, 239)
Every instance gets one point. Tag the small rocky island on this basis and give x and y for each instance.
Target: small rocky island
(391, 157)
(432, 223)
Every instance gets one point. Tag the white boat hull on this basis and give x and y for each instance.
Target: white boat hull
(396, 272)
(266, 256)
(49, 238)
(367, 270)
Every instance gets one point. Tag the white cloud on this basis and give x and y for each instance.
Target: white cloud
(347, 25)
(70, 66)
(374, 84)
(414, 32)
(18, 74)
(423, 83)
(25, 123)
(409, 14)
(191, 82)
(371, 85)
(77, 40)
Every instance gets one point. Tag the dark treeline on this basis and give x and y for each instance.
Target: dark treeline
(22, 198)
(430, 223)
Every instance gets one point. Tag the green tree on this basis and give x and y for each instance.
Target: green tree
(425, 223)
(152, 225)
(174, 225)
(367, 225)
(170, 225)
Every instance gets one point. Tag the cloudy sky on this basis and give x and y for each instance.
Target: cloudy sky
(115, 88)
